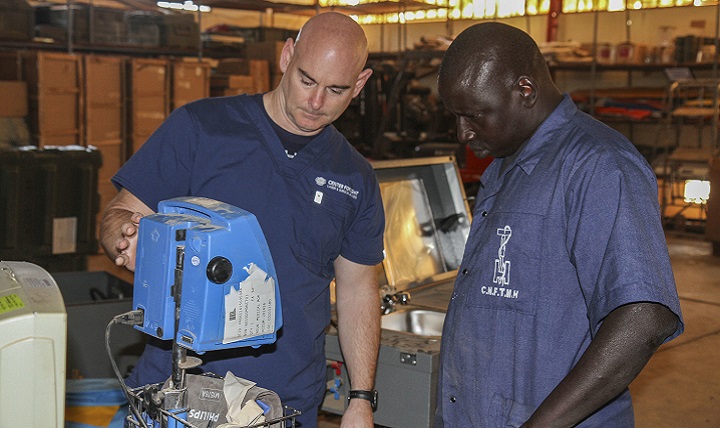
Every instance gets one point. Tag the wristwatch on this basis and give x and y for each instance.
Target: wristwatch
(371, 396)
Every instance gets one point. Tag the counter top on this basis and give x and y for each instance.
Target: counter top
(435, 297)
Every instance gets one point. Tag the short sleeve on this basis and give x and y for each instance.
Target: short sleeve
(363, 242)
(615, 236)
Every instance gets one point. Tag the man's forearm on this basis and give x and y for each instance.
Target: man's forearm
(627, 339)
(358, 308)
(358, 330)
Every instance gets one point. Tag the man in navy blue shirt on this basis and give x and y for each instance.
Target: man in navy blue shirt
(565, 289)
(316, 198)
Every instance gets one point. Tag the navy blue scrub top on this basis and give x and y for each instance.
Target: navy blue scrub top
(322, 203)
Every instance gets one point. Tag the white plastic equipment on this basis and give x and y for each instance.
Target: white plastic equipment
(33, 344)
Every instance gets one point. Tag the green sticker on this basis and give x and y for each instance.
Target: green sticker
(10, 303)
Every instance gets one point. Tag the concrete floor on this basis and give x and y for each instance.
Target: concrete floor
(680, 386)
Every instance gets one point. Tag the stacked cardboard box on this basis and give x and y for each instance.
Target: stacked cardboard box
(190, 82)
(104, 82)
(269, 51)
(54, 94)
(149, 99)
(13, 111)
(237, 76)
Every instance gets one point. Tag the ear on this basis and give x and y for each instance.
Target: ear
(286, 55)
(360, 83)
(528, 90)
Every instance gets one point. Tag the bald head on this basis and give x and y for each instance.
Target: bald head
(333, 33)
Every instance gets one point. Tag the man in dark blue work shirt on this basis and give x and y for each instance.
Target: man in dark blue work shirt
(565, 289)
(316, 198)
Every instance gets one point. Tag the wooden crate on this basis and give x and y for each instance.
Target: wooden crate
(106, 192)
(55, 97)
(240, 76)
(190, 82)
(104, 110)
(148, 98)
(269, 51)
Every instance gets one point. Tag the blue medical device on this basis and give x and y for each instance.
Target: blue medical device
(213, 258)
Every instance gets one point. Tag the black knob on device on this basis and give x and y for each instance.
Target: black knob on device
(219, 270)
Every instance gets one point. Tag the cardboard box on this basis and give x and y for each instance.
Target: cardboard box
(233, 66)
(268, 51)
(252, 75)
(15, 99)
(712, 225)
(104, 102)
(55, 97)
(149, 98)
(630, 53)
(191, 81)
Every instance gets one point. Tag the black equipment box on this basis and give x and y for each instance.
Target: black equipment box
(48, 206)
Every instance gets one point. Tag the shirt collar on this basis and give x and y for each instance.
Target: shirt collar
(536, 146)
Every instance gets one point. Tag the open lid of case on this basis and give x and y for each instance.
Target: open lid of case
(427, 220)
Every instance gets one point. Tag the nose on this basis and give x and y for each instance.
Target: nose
(464, 133)
(317, 98)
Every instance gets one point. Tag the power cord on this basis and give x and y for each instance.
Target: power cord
(128, 318)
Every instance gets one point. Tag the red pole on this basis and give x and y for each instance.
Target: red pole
(553, 18)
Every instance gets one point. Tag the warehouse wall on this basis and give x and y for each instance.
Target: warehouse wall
(646, 27)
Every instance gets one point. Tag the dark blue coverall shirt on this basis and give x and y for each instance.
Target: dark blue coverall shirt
(567, 233)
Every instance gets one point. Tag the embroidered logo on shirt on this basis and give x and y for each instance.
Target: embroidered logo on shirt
(501, 275)
(338, 187)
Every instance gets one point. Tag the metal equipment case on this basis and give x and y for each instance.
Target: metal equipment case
(427, 224)
(92, 299)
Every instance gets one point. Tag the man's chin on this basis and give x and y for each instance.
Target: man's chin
(480, 153)
(311, 127)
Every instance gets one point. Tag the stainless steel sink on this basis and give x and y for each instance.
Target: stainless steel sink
(423, 322)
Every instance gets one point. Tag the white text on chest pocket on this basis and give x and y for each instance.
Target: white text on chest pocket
(505, 272)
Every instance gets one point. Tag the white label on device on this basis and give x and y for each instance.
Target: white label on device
(250, 310)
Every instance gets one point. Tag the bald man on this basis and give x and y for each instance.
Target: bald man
(565, 289)
(277, 156)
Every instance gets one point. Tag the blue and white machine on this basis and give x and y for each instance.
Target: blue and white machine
(204, 279)
(214, 259)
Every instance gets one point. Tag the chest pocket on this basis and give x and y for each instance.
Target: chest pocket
(320, 232)
(504, 267)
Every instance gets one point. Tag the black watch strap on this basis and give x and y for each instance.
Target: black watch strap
(371, 396)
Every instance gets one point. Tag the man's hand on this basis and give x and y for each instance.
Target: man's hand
(126, 246)
(359, 414)
(119, 228)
